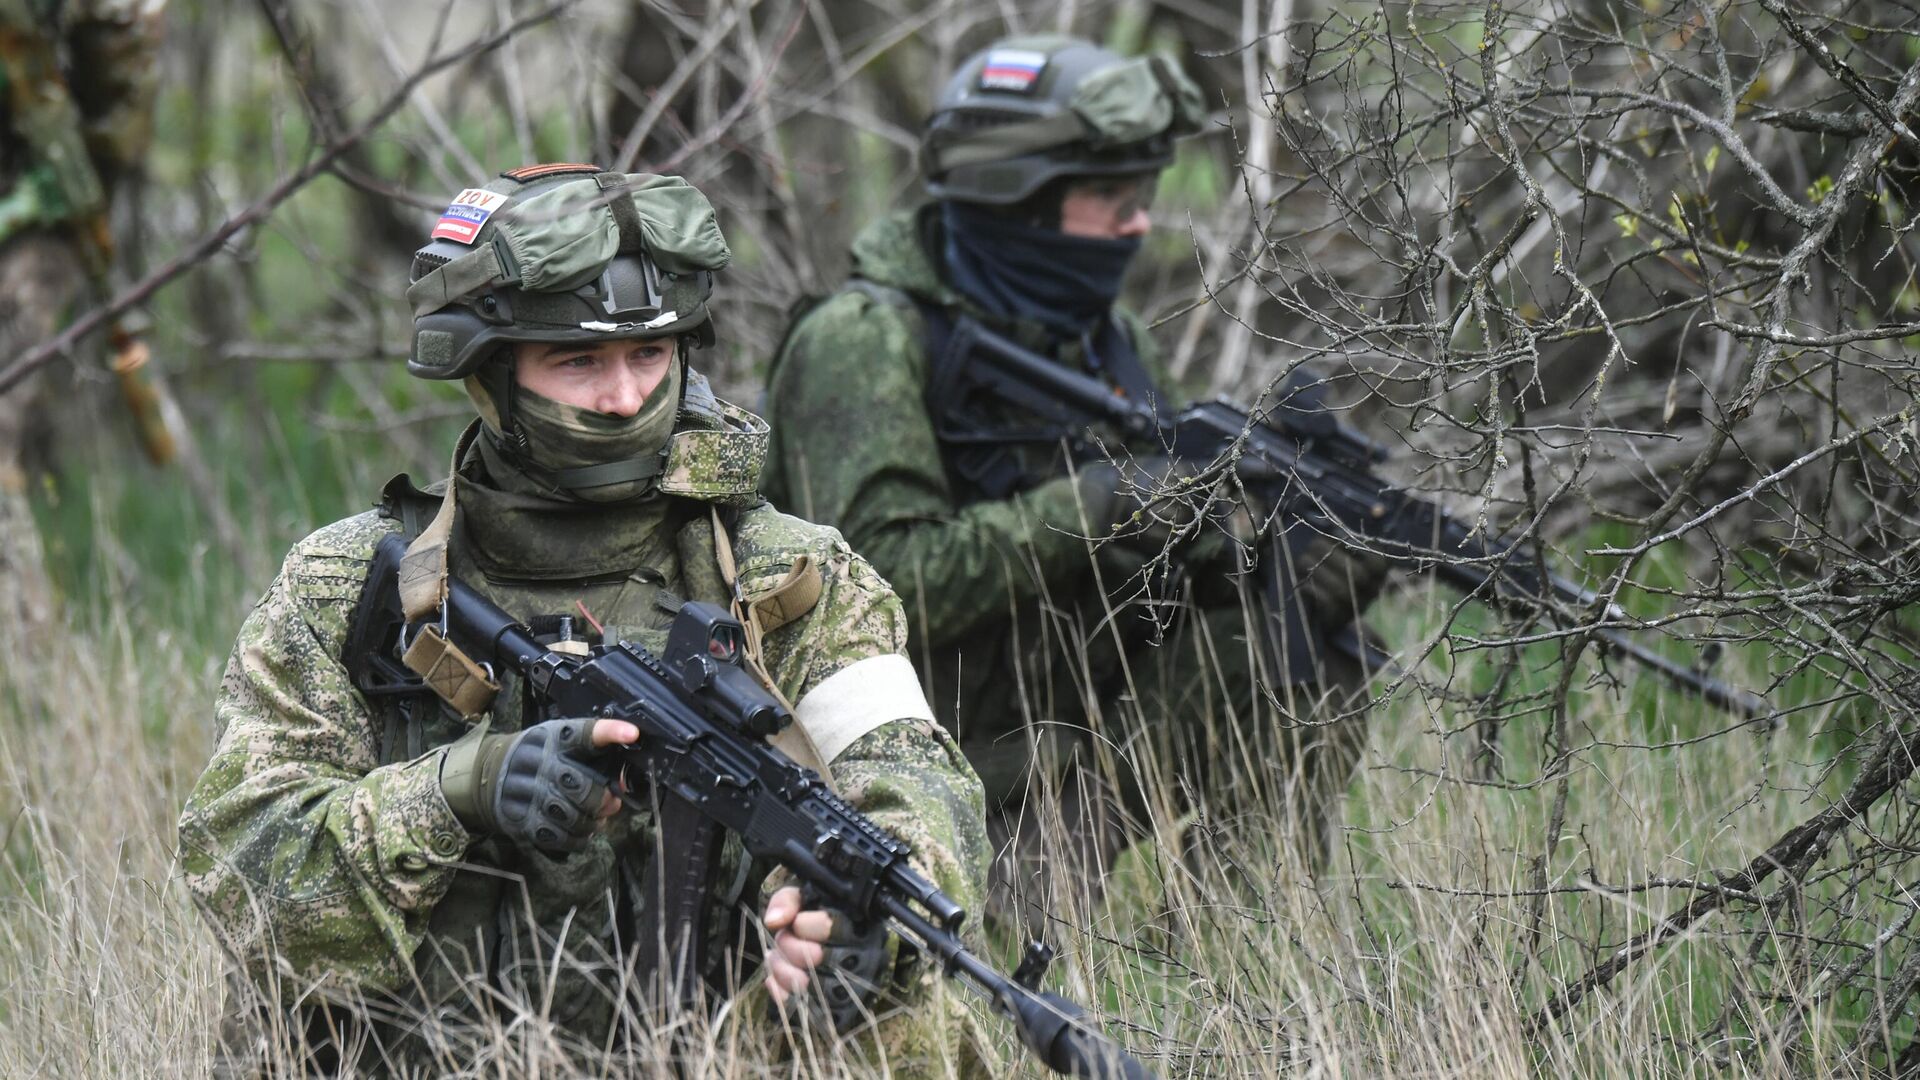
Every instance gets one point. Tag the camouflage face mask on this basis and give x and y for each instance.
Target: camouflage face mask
(567, 441)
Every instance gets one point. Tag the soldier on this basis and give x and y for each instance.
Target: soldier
(344, 844)
(62, 147)
(1042, 157)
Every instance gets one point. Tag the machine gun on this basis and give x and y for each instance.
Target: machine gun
(703, 723)
(1314, 472)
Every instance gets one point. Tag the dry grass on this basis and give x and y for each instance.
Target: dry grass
(1395, 964)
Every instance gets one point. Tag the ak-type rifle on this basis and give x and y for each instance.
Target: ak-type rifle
(1316, 475)
(704, 721)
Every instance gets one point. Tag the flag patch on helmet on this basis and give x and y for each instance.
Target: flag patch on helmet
(1012, 69)
(465, 214)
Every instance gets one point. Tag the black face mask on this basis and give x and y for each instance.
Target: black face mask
(1033, 273)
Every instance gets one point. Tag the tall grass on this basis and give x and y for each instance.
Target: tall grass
(1420, 951)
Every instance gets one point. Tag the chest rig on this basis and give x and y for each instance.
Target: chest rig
(992, 451)
(431, 692)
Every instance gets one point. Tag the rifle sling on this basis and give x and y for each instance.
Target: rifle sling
(791, 598)
(392, 692)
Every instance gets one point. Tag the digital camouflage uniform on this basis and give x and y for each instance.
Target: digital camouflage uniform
(1004, 597)
(320, 847)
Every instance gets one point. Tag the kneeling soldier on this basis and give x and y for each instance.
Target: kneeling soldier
(405, 872)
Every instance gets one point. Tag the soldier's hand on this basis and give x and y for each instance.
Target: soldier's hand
(1145, 502)
(546, 786)
(851, 962)
(1340, 582)
(799, 943)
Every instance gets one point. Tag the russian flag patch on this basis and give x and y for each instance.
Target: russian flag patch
(1016, 70)
(463, 217)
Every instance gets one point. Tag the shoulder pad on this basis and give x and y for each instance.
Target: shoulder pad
(348, 538)
(885, 295)
(782, 563)
(328, 566)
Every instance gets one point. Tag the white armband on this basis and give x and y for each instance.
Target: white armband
(859, 698)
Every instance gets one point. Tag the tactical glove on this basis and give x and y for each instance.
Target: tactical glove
(542, 787)
(846, 985)
(1145, 502)
(1339, 582)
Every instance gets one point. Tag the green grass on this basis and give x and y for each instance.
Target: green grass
(1375, 970)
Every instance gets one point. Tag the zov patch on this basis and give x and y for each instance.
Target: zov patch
(463, 217)
(1016, 70)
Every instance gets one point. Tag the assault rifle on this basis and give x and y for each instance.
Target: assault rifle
(1314, 472)
(703, 723)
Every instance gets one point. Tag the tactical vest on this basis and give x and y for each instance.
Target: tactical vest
(662, 869)
(993, 457)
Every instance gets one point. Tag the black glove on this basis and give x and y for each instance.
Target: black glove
(1339, 582)
(542, 787)
(847, 985)
(1145, 502)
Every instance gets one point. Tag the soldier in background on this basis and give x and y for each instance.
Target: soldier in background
(1042, 157)
(76, 93)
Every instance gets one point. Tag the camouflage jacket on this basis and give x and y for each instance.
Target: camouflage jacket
(319, 845)
(854, 447)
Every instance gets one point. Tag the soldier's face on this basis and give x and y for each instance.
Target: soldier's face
(1107, 208)
(612, 377)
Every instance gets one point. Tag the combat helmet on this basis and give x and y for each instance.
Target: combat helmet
(1028, 109)
(562, 253)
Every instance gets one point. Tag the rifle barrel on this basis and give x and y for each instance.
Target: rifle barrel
(1742, 703)
(1052, 1027)
(1321, 472)
(1521, 601)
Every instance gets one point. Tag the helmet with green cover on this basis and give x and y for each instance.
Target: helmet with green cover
(562, 253)
(1027, 110)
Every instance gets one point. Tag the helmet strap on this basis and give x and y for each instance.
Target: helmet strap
(497, 382)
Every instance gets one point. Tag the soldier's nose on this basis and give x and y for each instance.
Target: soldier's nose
(1139, 224)
(624, 396)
